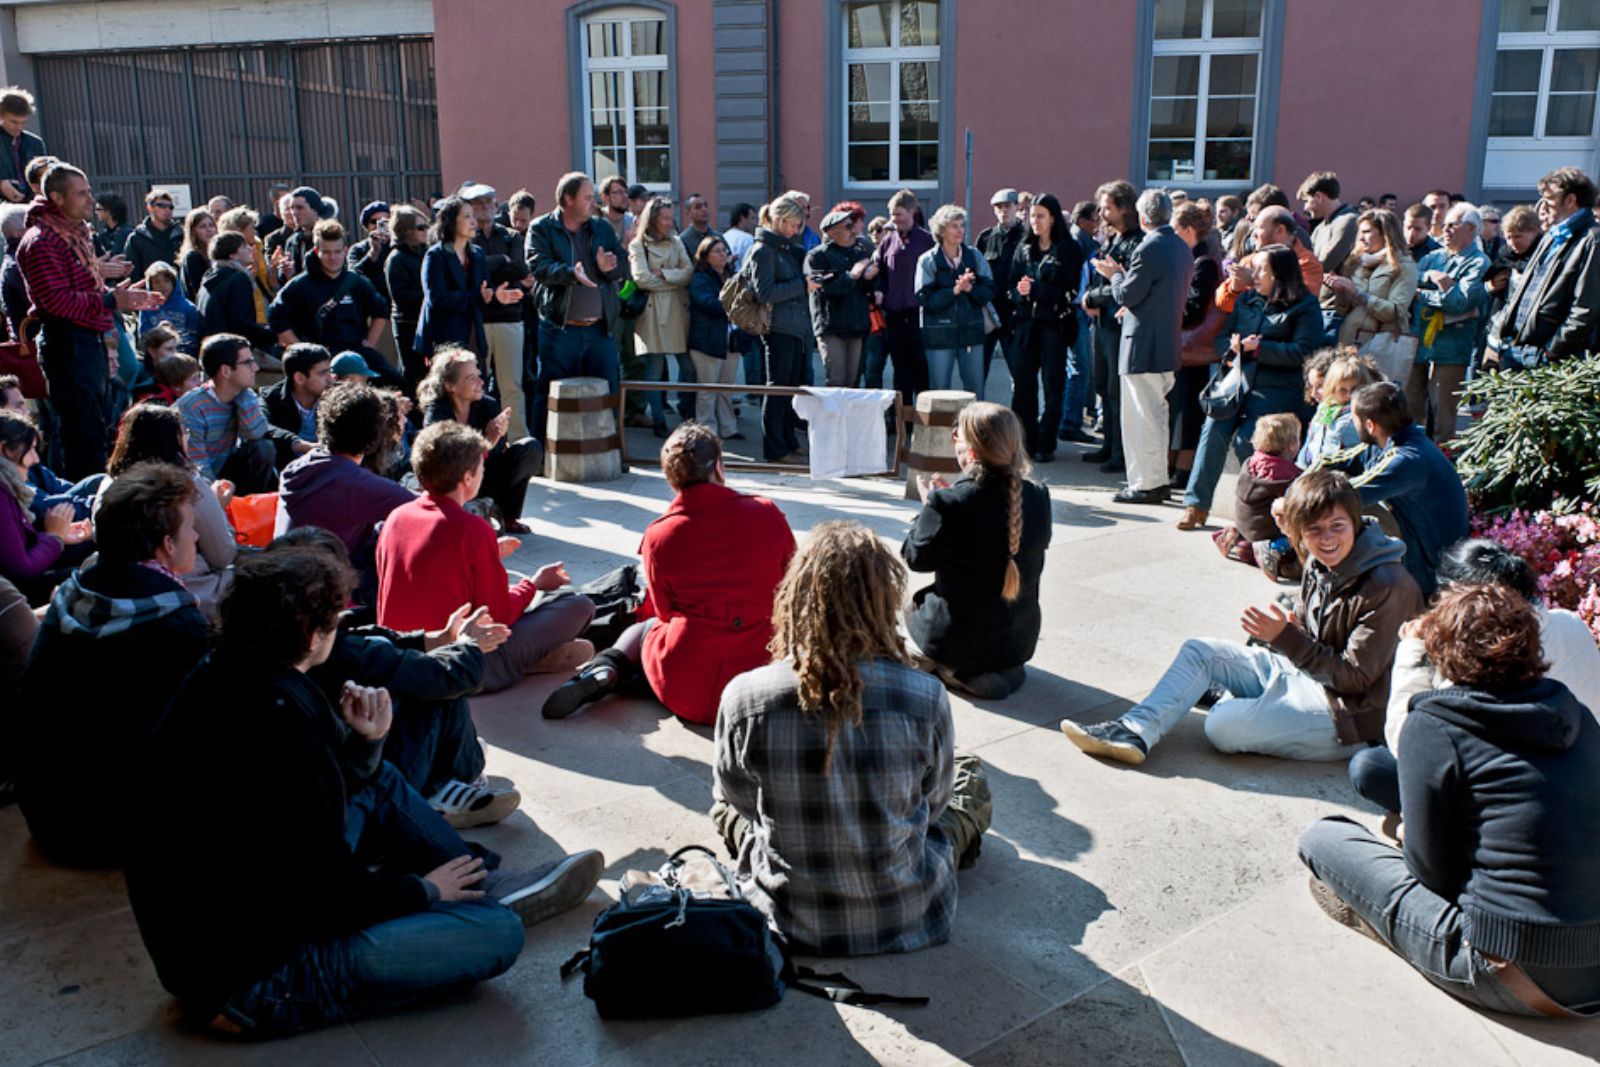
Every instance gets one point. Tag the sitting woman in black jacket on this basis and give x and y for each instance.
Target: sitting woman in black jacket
(984, 540)
(1495, 895)
(453, 389)
(227, 301)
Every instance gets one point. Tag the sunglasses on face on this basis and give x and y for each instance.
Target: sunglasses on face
(163, 203)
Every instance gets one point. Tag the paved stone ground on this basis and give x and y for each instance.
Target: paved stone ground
(1117, 916)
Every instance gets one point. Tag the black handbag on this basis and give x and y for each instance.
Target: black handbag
(616, 596)
(1224, 395)
(665, 950)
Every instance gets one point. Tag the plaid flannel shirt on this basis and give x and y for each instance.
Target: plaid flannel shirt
(847, 863)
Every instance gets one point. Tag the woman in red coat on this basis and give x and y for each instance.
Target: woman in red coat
(712, 564)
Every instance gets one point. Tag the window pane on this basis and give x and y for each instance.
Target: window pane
(1233, 75)
(608, 128)
(1227, 161)
(869, 163)
(1231, 117)
(1178, 19)
(1569, 115)
(1172, 118)
(919, 162)
(1171, 160)
(609, 161)
(654, 167)
(1575, 70)
(919, 23)
(650, 126)
(868, 25)
(605, 39)
(1578, 15)
(919, 81)
(1236, 18)
(605, 90)
(650, 38)
(1517, 71)
(869, 122)
(870, 82)
(1524, 16)
(650, 88)
(919, 121)
(1512, 116)
(1175, 76)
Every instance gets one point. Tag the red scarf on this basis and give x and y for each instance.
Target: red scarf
(77, 235)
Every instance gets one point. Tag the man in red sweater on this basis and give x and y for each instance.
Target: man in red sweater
(434, 555)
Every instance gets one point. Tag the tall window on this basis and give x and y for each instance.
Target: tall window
(625, 96)
(1542, 104)
(891, 71)
(1205, 69)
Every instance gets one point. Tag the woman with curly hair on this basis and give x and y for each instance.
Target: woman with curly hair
(837, 783)
(712, 564)
(1495, 894)
(984, 538)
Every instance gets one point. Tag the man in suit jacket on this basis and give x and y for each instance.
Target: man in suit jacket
(1151, 293)
(1555, 311)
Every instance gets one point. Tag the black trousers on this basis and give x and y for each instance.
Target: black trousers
(506, 472)
(75, 366)
(252, 468)
(786, 358)
(1108, 383)
(902, 340)
(1037, 357)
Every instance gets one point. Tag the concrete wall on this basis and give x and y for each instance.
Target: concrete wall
(1388, 110)
(84, 27)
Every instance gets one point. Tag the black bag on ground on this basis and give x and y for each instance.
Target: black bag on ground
(665, 950)
(616, 596)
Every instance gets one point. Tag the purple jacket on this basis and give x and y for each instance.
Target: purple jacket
(897, 257)
(320, 489)
(25, 553)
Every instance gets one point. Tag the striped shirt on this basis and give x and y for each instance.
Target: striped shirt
(215, 428)
(849, 862)
(59, 287)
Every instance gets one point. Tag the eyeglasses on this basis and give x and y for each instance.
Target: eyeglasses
(163, 203)
(248, 361)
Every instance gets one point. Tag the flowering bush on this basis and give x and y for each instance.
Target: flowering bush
(1563, 550)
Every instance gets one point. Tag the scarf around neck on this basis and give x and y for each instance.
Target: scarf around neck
(77, 235)
(15, 481)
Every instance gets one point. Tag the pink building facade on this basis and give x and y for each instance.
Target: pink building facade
(739, 99)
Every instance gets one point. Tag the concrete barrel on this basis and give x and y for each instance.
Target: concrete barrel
(581, 442)
(932, 451)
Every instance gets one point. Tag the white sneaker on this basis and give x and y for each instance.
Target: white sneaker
(468, 804)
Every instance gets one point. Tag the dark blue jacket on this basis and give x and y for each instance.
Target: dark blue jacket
(708, 323)
(1500, 792)
(1423, 492)
(452, 300)
(227, 304)
(1289, 333)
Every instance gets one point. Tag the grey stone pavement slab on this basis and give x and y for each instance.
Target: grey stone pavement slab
(1117, 916)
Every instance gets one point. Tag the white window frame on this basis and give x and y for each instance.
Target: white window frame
(629, 64)
(894, 56)
(1547, 43)
(1205, 47)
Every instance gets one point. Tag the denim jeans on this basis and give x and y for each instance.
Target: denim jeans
(1080, 375)
(390, 963)
(432, 742)
(1272, 707)
(655, 370)
(874, 358)
(571, 352)
(943, 363)
(1376, 776)
(80, 392)
(1423, 928)
(1215, 435)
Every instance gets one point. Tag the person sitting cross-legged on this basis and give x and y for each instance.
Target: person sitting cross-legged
(837, 784)
(1495, 894)
(434, 555)
(712, 565)
(984, 538)
(229, 435)
(331, 889)
(119, 637)
(1316, 684)
(453, 391)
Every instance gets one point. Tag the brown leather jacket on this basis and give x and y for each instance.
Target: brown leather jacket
(1350, 621)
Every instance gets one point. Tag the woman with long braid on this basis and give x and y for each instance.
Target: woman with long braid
(838, 787)
(984, 539)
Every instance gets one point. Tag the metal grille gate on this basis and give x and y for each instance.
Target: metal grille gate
(358, 120)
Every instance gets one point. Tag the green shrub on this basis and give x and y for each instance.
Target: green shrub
(1538, 445)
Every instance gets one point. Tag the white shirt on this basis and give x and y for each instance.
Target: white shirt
(738, 243)
(846, 430)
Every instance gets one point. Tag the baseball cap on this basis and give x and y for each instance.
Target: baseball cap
(350, 363)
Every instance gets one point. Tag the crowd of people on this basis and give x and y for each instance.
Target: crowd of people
(394, 457)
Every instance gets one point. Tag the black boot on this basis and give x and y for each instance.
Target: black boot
(594, 680)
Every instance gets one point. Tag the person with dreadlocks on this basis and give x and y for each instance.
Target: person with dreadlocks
(712, 563)
(837, 785)
(984, 538)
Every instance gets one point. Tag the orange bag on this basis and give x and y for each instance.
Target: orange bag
(253, 518)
